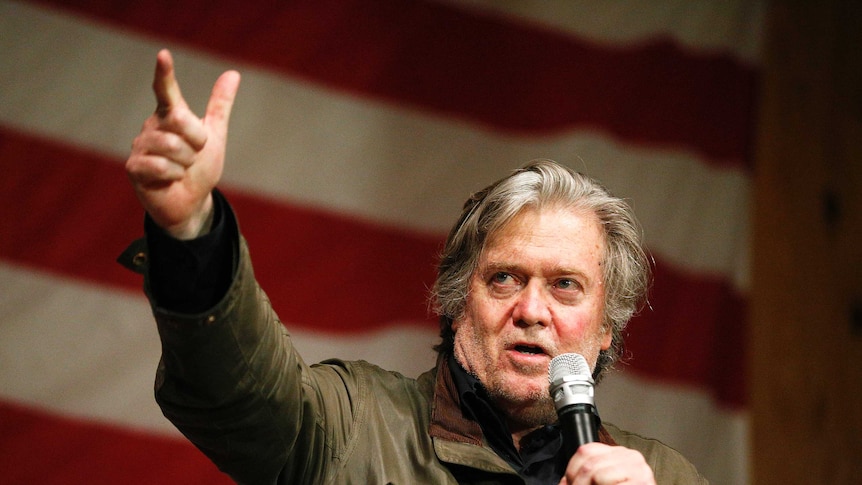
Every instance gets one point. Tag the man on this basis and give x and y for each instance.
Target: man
(541, 263)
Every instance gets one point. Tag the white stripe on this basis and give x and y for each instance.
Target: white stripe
(713, 438)
(78, 350)
(88, 352)
(733, 26)
(85, 351)
(89, 85)
(401, 348)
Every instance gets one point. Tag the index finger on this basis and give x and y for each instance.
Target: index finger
(165, 84)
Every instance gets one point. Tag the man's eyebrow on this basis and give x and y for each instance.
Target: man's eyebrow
(505, 266)
(501, 266)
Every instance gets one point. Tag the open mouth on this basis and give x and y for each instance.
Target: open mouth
(529, 349)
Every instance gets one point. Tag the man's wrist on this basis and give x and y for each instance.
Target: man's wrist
(198, 225)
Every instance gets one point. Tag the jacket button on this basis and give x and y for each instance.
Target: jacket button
(211, 319)
(139, 259)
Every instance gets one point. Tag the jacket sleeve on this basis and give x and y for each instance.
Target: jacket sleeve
(669, 466)
(231, 381)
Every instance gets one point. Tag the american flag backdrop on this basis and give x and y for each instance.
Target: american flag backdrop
(359, 129)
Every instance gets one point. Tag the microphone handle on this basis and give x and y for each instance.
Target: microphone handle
(579, 424)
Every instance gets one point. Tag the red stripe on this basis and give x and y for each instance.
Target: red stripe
(497, 72)
(38, 447)
(71, 212)
(64, 210)
(693, 332)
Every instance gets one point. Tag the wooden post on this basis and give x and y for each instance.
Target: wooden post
(806, 322)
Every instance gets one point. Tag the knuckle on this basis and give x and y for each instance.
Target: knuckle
(171, 144)
(161, 169)
(136, 171)
(148, 169)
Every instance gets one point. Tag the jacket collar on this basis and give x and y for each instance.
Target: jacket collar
(447, 420)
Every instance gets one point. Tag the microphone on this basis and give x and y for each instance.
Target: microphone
(573, 391)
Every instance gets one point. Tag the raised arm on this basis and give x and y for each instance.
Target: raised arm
(178, 158)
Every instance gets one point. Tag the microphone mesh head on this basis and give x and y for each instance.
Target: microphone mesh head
(567, 365)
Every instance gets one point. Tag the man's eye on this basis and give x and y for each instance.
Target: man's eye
(501, 278)
(567, 284)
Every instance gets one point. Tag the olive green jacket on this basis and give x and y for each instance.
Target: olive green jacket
(232, 382)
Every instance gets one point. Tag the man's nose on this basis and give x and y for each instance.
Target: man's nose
(533, 305)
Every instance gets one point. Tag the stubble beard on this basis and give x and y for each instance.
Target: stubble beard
(523, 409)
(532, 410)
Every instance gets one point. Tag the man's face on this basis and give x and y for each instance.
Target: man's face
(536, 293)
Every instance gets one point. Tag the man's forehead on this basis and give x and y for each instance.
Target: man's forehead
(572, 239)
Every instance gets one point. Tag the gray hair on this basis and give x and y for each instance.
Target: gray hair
(539, 184)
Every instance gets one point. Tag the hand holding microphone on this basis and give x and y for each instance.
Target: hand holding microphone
(573, 391)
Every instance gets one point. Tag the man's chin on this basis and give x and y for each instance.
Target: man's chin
(528, 402)
(531, 413)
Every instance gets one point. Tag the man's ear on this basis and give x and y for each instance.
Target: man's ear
(607, 337)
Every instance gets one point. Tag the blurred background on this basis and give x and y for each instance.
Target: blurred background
(734, 129)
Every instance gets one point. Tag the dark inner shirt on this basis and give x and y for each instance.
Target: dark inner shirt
(193, 276)
(539, 461)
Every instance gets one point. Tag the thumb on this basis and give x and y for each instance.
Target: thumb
(221, 102)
